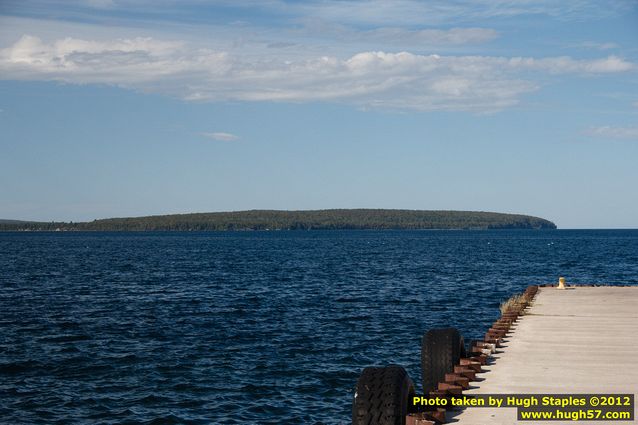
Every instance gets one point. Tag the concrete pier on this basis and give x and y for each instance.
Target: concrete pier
(576, 340)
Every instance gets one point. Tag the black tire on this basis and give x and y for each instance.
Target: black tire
(441, 350)
(464, 353)
(382, 396)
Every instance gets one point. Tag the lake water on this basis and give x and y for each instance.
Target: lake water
(253, 327)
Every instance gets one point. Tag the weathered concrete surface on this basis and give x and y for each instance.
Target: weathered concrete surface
(578, 340)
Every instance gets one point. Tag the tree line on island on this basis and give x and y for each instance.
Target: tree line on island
(332, 219)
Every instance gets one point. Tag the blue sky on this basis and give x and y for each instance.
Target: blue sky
(136, 107)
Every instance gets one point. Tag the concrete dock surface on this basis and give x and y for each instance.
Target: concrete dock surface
(576, 340)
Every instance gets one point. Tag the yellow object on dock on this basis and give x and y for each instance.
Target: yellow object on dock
(561, 283)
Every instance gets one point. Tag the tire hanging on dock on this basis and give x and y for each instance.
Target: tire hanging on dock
(441, 350)
(382, 396)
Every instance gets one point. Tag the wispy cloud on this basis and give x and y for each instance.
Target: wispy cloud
(381, 12)
(358, 13)
(387, 35)
(101, 4)
(378, 79)
(613, 132)
(221, 136)
(598, 46)
(566, 65)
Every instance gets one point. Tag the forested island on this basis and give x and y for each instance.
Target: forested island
(332, 219)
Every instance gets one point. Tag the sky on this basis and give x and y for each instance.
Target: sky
(116, 108)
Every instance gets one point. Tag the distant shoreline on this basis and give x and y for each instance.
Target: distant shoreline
(276, 220)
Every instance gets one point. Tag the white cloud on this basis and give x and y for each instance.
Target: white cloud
(375, 12)
(400, 80)
(385, 35)
(613, 132)
(565, 64)
(599, 46)
(381, 12)
(221, 137)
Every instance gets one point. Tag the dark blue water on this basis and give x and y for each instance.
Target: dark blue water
(269, 327)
